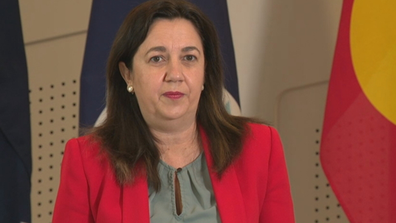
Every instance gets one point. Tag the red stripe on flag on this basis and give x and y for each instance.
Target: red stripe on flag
(358, 150)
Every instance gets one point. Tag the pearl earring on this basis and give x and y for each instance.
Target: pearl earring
(130, 89)
(203, 87)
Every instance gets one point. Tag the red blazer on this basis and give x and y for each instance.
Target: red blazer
(254, 189)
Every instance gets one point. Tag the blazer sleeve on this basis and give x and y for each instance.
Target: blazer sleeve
(278, 205)
(72, 202)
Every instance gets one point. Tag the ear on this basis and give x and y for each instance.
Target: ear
(125, 73)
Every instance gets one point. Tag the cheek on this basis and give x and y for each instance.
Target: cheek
(199, 79)
(147, 89)
(141, 81)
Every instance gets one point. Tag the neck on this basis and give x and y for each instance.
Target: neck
(178, 148)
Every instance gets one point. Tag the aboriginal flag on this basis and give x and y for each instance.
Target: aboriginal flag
(358, 150)
(15, 143)
(106, 18)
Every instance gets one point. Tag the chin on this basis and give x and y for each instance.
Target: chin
(179, 115)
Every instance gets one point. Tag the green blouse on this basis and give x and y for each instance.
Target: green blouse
(199, 204)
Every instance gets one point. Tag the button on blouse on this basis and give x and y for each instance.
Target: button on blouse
(197, 196)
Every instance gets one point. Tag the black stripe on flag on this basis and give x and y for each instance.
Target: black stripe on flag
(15, 142)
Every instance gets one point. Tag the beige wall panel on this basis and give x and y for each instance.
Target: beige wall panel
(301, 112)
(279, 45)
(54, 81)
(58, 60)
(42, 19)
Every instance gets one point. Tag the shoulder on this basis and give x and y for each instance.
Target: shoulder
(87, 183)
(259, 133)
(84, 144)
(260, 144)
(262, 155)
(260, 128)
(86, 150)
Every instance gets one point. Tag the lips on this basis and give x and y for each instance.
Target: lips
(173, 94)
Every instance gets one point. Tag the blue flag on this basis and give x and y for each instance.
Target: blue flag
(15, 142)
(106, 18)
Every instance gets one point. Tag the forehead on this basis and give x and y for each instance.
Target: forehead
(176, 31)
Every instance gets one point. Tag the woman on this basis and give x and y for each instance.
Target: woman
(168, 150)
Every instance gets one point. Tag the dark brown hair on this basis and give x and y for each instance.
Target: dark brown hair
(125, 135)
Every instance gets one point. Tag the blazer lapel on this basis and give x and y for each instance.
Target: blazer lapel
(135, 206)
(226, 189)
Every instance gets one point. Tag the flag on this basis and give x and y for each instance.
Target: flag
(358, 148)
(15, 143)
(106, 18)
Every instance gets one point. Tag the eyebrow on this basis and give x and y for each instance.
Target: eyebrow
(163, 49)
(157, 48)
(190, 48)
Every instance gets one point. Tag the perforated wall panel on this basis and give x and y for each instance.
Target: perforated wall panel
(54, 120)
(54, 72)
(300, 118)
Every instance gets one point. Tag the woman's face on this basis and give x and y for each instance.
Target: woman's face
(168, 72)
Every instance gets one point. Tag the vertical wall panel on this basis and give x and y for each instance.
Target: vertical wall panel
(300, 118)
(54, 35)
(279, 45)
(42, 19)
(54, 109)
(54, 73)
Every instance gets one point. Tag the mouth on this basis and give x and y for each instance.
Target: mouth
(173, 94)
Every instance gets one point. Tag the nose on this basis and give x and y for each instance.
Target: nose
(174, 72)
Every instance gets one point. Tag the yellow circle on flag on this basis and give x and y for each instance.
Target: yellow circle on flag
(373, 47)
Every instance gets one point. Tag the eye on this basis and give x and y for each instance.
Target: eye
(156, 59)
(190, 58)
